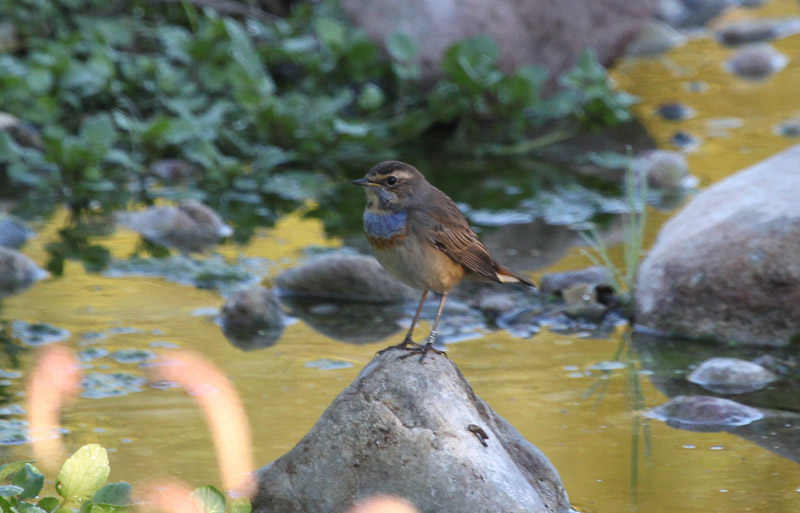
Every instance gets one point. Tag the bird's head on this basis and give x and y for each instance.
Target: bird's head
(391, 185)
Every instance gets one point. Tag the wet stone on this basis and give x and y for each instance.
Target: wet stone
(756, 62)
(731, 376)
(93, 353)
(13, 232)
(584, 302)
(655, 38)
(252, 318)
(344, 278)
(328, 364)
(556, 283)
(132, 356)
(757, 30)
(664, 169)
(38, 334)
(209, 273)
(98, 385)
(675, 111)
(17, 272)
(683, 139)
(12, 409)
(704, 413)
(789, 128)
(190, 227)
(13, 432)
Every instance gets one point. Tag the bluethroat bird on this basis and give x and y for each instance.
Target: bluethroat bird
(421, 237)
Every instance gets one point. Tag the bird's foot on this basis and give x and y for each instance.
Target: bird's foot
(422, 350)
(408, 344)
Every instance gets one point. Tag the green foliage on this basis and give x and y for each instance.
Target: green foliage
(82, 482)
(251, 105)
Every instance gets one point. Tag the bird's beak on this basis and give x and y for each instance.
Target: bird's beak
(363, 182)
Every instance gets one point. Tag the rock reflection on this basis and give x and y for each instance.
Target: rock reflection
(354, 323)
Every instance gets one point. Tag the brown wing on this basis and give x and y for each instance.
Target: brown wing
(449, 231)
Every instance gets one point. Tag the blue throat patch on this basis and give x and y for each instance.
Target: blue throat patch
(384, 225)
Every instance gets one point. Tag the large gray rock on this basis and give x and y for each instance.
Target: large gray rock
(548, 33)
(412, 430)
(726, 266)
(344, 278)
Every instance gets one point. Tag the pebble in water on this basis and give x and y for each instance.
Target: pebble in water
(17, 272)
(704, 413)
(731, 376)
(675, 111)
(756, 62)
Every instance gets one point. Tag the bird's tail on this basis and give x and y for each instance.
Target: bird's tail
(506, 275)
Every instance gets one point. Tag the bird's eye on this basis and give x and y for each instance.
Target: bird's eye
(392, 180)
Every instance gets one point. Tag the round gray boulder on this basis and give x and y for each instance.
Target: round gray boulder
(731, 376)
(417, 431)
(726, 267)
(344, 278)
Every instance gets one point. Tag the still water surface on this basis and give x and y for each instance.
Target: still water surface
(584, 419)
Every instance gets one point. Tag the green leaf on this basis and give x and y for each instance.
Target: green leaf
(6, 506)
(241, 505)
(98, 133)
(26, 507)
(209, 499)
(114, 494)
(355, 129)
(49, 504)
(11, 468)
(10, 490)
(331, 32)
(83, 473)
(371, 97)
(401, 47)
(30, 479)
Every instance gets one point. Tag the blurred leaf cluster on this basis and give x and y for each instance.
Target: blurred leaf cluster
(118, 100)
(82, 486)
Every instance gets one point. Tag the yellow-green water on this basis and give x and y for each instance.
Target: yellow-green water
(530, 382)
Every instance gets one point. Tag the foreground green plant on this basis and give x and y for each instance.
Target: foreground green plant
(82, 484)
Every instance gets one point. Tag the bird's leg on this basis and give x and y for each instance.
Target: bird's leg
(408, 341)
(428, 346)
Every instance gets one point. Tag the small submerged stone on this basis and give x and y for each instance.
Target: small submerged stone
(704, 413)
(190, 227)
(789, 128)
(556, 283)
(655, 38)
(98, 385)
(209, 273)
(731, 376)
(587, 302)
(252, 318)
(675, 111)
(17, 272)
(663, 169)
(92, 353)
(757, 30)
(38, 334)
(133, 355)
(13, 432)
(344, 278)
(13, 232)
(683, 139)
(328, 364)
(756, 62)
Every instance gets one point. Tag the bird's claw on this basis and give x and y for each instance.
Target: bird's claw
(424, 350)
(407, 344)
